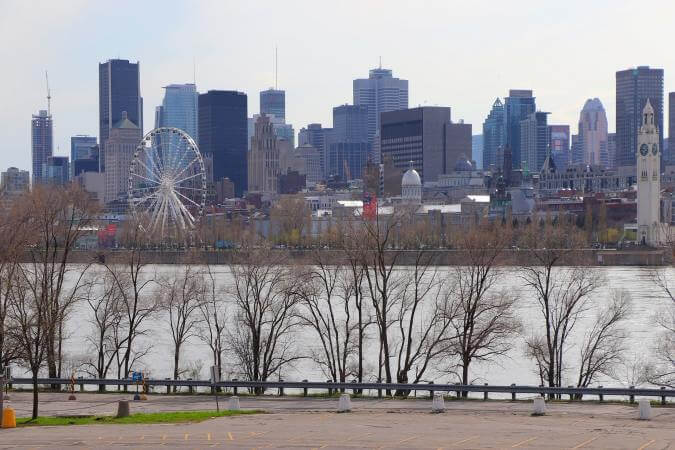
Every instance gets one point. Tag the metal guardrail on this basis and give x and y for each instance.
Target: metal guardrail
(513, 389)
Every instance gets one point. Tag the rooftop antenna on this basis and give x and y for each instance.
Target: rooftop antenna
(194, 71)
(49, 96)
(380, 62)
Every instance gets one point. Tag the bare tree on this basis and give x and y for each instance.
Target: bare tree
(326, 291)
(603, 346)
(213, 326)
(105, 300)
(562, 293)
(484, 318)
(181, 296)
(128, 273)
(58, 217)
(660, 370)
(265, 316)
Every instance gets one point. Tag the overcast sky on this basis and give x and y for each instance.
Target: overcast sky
(461, 54)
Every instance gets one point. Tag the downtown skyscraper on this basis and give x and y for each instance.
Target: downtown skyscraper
(42, 144)
(494, 136)
(633, 88)
(380, 92)
(223, 131)
(119, 89)
(273, 102)
(518, 106)
(593, 147)
(179, 108)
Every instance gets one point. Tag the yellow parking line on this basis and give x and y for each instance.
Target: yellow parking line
(644, 446)
(518, 444)
(465, 440)
(185, 438)
(208, 436)
(229, 436)
(406, 439)
(585, 442)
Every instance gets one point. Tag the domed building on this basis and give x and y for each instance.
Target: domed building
(463, 164)
(411, 187)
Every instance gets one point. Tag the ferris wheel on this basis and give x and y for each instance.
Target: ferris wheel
(167, 182)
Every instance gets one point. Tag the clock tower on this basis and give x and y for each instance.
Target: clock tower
(648, 179)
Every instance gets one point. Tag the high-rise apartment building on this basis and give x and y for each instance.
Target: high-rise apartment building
(494, 135)
(560, 145)
(14, 182)
(273, 102)
(42, 143)
(633, 88)
(380, 92)
(223, 131)
(263, 158)
(179, 108)
(517, 107)
(425, 136)
(82, 147)
(593, 134)
(119, 89)
(534, 141)
(119, 152)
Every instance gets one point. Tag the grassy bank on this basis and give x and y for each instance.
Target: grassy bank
(140, 418)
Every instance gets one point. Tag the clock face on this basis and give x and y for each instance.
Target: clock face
(655, 149)
(644, 149)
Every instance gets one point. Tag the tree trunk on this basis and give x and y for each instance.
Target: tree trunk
(465, 377)
(176, 356)
(35, 396)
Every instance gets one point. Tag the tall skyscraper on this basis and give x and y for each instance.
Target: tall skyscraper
(179, 109)
(82, 147)
(593, 134)
(494, 135)
(222, 135)
(348, 147)
(518, 106)
(273, 102)
(263, 158)
(119, 89)
(670, 157)
(477, 150)
(119, 152)
(42, 143)
(560, 145)
(534, 141)
(380, 92)
(425, 136)
(611, 149)
(633, 88)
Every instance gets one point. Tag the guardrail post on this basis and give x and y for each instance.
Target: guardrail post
(513, 393)
(281, 388)
(234, 389)
(431, 391)
(304, 390)
(190, 387)
(571, 395)
(631, 397)
(354, 389)
(542, 392)
(601, 395)
(485, 394)
(458, 392)
(81, 385)
(330, 390)
(168, 386)
(379, 391)
(663, 397)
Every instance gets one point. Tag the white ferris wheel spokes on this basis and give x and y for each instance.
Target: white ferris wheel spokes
(167, 181)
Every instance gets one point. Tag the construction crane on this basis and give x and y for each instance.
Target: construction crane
(49, 96)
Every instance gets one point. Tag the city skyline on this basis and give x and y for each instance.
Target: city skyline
(315, 85)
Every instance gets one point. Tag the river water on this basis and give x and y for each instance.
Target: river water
(647, 302)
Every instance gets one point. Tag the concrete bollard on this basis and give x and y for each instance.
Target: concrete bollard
(438, 404)
(539, 406)
(233, 404)
(345, 403)
(645, 409)
(122, 408)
